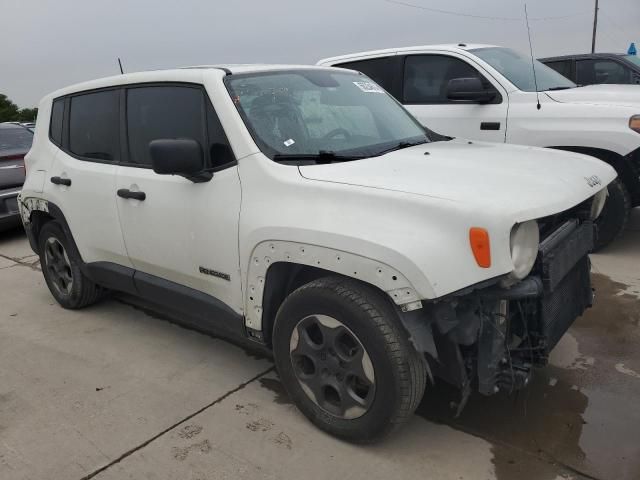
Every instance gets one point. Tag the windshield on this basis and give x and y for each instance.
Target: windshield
(633, 59)
(15, 138)
(518, 70)
(298, 113)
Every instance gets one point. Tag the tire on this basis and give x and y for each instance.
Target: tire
(61, 269)
(388, 386)
(615, 215)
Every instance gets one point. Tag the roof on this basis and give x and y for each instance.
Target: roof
(582, 55)
(193, 74)
(455, 47)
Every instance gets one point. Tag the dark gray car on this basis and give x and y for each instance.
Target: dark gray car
(595, 68)
(15, 142)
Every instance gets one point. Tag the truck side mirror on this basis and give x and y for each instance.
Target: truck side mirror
(469, 90)
(177, 156)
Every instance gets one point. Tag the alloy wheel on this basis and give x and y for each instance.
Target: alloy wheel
(58, 266)
(332, 366)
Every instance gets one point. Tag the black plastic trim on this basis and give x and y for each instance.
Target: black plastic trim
(198, 308)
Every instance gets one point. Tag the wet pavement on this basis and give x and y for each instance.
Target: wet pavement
(113, 392)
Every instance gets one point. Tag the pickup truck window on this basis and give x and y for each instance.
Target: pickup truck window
(596, 71)
(517, 69)
(426, 77)
(306, 113)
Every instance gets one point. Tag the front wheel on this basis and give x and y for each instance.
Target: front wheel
(345, 359)
(615, 214)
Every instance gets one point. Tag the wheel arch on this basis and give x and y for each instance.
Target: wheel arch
(277, 268)
(36, 212)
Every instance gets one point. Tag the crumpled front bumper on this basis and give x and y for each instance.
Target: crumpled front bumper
(538, 311)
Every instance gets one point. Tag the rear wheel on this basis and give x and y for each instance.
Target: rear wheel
(615, 214)
(345, 359)
(61, 269)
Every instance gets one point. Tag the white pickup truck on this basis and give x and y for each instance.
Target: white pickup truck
(484, 92)
(304, 210)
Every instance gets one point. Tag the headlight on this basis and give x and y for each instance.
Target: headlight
(634, 123)
(597, 204)
(525, 238)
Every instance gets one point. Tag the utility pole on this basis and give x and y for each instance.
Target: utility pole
(595, 26)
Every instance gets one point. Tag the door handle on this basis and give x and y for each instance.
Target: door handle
(490, 126)
(126, 193)
(61, 181)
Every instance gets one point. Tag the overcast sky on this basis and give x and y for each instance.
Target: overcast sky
(47, 44)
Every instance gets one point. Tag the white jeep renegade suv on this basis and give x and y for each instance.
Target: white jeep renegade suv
(303, 209)
(484, 92)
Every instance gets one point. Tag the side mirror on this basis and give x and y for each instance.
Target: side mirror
(177, 156)
(469, 90)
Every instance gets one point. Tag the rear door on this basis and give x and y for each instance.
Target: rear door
(183, 232)
(424, 94)
(82, 179)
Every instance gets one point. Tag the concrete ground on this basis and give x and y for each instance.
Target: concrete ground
(111, 392)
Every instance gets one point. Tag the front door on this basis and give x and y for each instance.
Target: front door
(424, 94)
(178, 232)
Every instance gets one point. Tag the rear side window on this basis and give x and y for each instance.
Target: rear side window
(563, 67)
(94, 125)
(589, 72)
(173, 112)
(381, 70)
(426, 77)
(55, 127)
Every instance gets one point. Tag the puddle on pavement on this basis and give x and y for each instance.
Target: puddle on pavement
(575, 417)
(580, 417)
(275, 385)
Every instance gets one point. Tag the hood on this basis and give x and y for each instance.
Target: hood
(621, 95)
(523, 182)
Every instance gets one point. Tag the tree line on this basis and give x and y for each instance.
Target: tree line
(10, 112)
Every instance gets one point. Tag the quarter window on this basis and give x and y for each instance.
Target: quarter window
(426, 77)
(55, 127)
(93, 125)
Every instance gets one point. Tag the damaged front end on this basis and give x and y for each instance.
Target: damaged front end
(490, 337)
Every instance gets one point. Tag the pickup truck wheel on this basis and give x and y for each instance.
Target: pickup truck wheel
(615, 215)
(345, 359)
(61, 270)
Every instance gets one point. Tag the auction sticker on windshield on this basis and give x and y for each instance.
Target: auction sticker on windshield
(368, 87)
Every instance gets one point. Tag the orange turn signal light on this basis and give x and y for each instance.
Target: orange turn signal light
(480, 246)
(634, 123)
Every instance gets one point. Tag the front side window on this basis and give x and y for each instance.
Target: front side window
(94, 125)
(162, 112)
(594, 71)
(426, 77)
(157, 112)
(518, 69)
(321, 113)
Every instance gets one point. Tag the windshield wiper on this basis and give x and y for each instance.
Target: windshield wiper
(323, 156)
(558, 88)
(401, 145)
